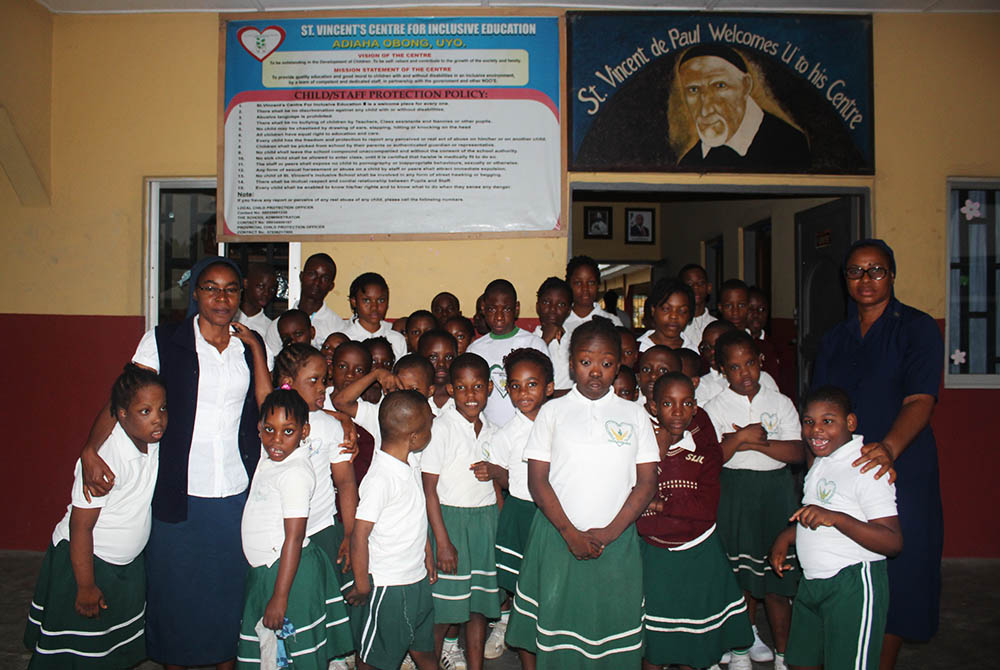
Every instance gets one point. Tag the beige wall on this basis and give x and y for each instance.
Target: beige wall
(135, 95)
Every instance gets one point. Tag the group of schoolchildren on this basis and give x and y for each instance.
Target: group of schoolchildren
(583, 496)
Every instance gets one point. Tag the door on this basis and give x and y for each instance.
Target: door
(823, 235)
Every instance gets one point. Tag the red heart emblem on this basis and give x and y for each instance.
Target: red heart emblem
(261, 43)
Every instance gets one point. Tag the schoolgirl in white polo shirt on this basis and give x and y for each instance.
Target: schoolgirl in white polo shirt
(759, 432)
(591, 470)
(369, 298)
(846, 528)
(290, 579)
(89, 603)
(671, 305)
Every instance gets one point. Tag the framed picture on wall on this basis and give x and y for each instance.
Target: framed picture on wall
(639, 225)
(597, 224)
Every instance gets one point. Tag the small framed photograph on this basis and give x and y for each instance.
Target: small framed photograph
(597, 223)
(639, 226)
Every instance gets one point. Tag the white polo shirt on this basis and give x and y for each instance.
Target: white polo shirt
(713, 383)
(325, 321)
(493, 348)
(215, 469)
(354, 330)
(508, 452)
(258, 323)
(692, 332)
(279, 491)
(774, 411)
(126, 513)
(833, 483)
(645, 341)
(558, 351)
(323, 447)
(453, 448)
(367, 417)
(592, 447)
(572, 321)
(392, 497)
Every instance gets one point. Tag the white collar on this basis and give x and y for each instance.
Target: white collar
(322, 311)
(686, 443)
(743, 137)
(847, 450)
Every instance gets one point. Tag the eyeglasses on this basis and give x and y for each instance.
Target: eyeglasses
(875, 273)
(213, 291)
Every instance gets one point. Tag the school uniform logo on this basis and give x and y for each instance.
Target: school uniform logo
(499, 376)
(825, 490)
(619, 433)
(769, 421)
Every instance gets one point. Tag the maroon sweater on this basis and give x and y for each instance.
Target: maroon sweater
(688, 483)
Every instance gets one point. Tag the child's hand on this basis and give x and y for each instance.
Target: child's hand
(582, 545)
(244, 335)
(358, 594)
(447, 558)
(752, 437)
(388, 381)
(344, 554)
(655, 506)
(483, 470)
(97, 476)
(876, 455)
(779, 552)
(432, 573)
(90, 601)
(274, 613)
(350, 443)
(551, 331)
(814, 516)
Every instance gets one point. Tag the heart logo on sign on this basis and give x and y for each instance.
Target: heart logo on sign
(261, 43)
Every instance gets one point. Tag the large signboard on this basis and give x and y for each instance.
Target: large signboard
(368, 126)
(695, 92)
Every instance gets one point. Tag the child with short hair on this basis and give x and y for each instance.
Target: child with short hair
(759, 431)
(369, 298)
(758, 314)
(690, 366)
(291, 581)
(654, 362)
(734, 302)
(584, 277)
(554, 300)
(351, 361)
(462, 512)
(294, 326)
(694, 607)
(695, 277)
(591, 471)
(501, 309)
(444, 306)
(260, 286)
(383, 357)
(712, 382)
(626, 385)
(417, 324)
(440, 349)
(630, 347)
(330, 344)
(462, 330)
(847, 527)
(390, 548)
(88, 605)
(670, 305)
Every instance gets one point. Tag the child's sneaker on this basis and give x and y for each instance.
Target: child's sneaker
(760, 652)
(738, 661)
(408, 663)
(453, 658)
(725, 658)
(495, 642)
(345, 663)
(779, 662)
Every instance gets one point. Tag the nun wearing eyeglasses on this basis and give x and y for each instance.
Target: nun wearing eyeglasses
(215, 374)
(889, 358)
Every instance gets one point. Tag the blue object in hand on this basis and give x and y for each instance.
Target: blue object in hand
(287, 630)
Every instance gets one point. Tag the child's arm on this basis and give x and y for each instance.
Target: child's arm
(447, 556)
(581, 544)
(883, 536)
(486, 471)
(89, 598)
(432, 572)
(346, 399)
(97, 476)
(744, 438)
(288, 565)
(779, 551)
(359, 559)
(350, 443)
(347, 493)
(786, 451)
(635, 504)
(261, 375)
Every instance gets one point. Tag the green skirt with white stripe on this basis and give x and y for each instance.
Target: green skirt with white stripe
(473, 587)
(512, 536)
(315, 608)
(695, 610)
(578, 614)
(61, 639)
(329, 540)
(753, 510)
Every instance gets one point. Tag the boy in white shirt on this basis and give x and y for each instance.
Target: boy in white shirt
(584, 277)
(555, 298)
(695, 276)
(316, 279)
(259, 288)
(390, 550)
(846, 528)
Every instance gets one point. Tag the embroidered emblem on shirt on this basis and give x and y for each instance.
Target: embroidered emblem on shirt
(499, 376)
(770, 422)
(620, 433)
(825, 490)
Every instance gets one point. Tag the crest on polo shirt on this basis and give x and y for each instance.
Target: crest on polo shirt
(619, 433)
(825, 490)
(499, 377)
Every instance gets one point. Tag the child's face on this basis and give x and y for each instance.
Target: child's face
(259, 288)
(625, 387)
(145, 418)
(757, 313)
(733, 306)
(415, 327)
(310, 382)
(440, 352)
(416, 379)
(349, 365)
(630, 349)
(382, 356)
(595, 364)
(742, 369)
(462, 336)
(675, 407)
(707, 346)
(470, 391)
(672, 316)
(330, 345)
(653, 364)
(826, 428)
(295, 329)
(444, 306)
(700, 286)
(500, 310)
(527, 388)
(371, 303)
(281, 434)
(553, 307)
(584, 282)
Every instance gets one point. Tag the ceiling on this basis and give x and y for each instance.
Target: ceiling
(137, 6)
